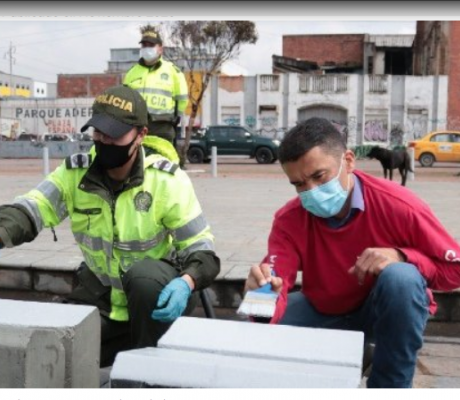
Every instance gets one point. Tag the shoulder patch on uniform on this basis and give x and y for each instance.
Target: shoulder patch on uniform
(79, 160)
(165, 165)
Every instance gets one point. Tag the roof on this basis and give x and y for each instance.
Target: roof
(391, 40)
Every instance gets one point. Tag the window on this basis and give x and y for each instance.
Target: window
(231, 115)
(236, 133)
(219, 133)
(442, 137)
(269, 83)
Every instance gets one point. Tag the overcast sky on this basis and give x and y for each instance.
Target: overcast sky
(45, 48)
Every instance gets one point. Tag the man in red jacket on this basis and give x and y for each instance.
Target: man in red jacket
(369, 251)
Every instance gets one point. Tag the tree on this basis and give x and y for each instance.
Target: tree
(205, 46)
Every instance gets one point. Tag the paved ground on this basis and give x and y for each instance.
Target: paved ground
(239, 205)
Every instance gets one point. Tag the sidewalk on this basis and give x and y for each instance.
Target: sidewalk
(240, 213)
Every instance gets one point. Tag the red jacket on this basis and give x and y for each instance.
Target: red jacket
(393, 217)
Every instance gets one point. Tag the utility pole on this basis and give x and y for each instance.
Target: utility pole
(9, 55)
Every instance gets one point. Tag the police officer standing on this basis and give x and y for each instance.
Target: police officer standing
(134, 214)
(161, 83)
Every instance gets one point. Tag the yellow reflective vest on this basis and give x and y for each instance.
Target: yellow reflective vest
(161, 85)
(156, 216)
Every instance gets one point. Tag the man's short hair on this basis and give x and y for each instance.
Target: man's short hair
(308, 134)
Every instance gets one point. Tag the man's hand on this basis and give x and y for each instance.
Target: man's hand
(373, 261)
(173, 299)
(260, 275)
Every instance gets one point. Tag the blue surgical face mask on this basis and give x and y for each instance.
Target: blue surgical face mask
(327, 199)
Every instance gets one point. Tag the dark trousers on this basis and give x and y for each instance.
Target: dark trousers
(142, 284)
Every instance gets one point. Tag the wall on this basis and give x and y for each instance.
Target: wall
(322, 48)
(453, 112)
(59, 150)
(40, 90)
(43, 115)
(85, 85)
(382, 109)
(231, 88)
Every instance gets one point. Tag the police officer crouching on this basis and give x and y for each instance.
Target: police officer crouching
(134, 214)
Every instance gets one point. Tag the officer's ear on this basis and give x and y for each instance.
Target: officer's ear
(142, 131)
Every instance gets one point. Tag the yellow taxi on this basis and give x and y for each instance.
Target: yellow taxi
(441, 146)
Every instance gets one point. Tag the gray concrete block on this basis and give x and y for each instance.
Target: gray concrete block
(31, 359)
(14, 278)
(76, 327)
(54, 282)
(167, 368)
(276, 342)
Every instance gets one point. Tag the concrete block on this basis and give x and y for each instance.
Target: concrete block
(77, 329)
(206, 353)
(281, 342)
(166, 368)
(31, 359)
(54, 282)
(15, 278)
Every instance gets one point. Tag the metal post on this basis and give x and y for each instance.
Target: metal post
(46, 161)
(214, 161)
(412, 163)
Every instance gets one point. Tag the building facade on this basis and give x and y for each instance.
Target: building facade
(15, 86)
(437, 52)
(367, 109)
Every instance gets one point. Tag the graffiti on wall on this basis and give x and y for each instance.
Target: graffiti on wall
(375, 131)
(231, 120)
(250, 121)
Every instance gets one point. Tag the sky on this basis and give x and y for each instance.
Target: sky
(45, 48)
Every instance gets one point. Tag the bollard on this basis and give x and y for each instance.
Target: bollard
(214, 161)
(412, 163)
(46, 161)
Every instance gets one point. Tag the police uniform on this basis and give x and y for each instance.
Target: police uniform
(164, 88)
(135, 236)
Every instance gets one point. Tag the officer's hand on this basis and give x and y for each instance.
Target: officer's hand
(373, 261)
(260, 275)
(172, 301)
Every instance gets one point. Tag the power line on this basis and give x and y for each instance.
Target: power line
(44, 32)
(55, 39)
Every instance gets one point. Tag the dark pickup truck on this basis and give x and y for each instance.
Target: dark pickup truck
(231, 140)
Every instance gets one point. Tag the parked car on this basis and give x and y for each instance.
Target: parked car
(232, 140)
(50, 137)
(441, 146)
(83, 137)
(30, 137)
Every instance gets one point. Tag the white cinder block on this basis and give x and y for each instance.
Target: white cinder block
(278, 342)
(157, 367)
(208, 353)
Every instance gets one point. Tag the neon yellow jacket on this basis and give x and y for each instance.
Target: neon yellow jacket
(161, 85)
(157, 215)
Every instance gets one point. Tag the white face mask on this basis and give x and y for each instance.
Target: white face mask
(149, 54)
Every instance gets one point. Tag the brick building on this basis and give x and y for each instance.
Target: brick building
(326, 50)
(357, 53)
(437, 52)
(86, 85)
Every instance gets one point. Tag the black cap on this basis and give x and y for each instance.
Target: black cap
(117, 111)
(151, 36)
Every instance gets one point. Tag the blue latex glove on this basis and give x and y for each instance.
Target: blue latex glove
(172, 301)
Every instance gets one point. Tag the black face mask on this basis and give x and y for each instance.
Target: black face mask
(111, 156)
